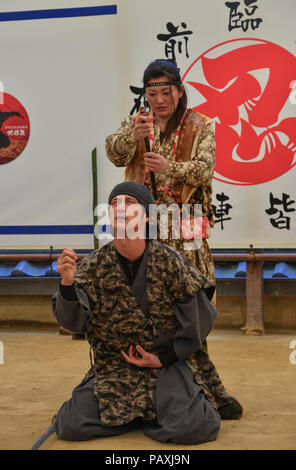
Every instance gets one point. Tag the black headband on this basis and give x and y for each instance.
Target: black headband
(162, 84)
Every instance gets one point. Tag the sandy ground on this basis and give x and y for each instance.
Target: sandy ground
(42, 367)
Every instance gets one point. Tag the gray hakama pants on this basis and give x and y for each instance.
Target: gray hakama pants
(184, 415)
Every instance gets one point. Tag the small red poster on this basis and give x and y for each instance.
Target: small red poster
(14, 128)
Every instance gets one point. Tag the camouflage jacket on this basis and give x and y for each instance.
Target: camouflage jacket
(116, 321)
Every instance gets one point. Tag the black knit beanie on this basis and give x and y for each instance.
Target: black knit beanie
(136, 190)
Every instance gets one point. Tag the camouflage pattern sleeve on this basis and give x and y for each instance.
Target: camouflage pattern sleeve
(198, 171)
(85, 277)
(121, 146)
(184, 278)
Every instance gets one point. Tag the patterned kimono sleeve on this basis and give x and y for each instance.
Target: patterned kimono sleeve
(121, 146)
(198, 171)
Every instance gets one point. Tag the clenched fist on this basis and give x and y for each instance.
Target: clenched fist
(142, 127)
(66, 266)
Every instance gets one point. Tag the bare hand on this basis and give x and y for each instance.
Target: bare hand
(142, 127)
(66, 266)
(141, 358)
(155, 162)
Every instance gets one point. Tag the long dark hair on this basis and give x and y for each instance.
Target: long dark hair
(169, 69)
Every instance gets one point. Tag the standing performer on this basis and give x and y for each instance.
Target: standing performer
(146, 309)
(182, 157)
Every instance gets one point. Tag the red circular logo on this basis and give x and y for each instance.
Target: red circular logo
(244, 86)
(14, 128)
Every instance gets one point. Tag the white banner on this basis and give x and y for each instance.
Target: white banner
(72, 73)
